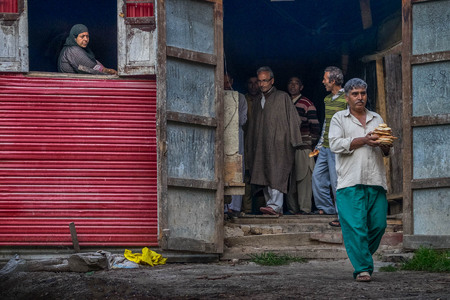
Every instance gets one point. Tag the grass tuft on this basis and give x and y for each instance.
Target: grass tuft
(426, 259)
(389, 268)
(273, 259)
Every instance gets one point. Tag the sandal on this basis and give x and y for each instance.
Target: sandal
(335, 223)
(363, 277)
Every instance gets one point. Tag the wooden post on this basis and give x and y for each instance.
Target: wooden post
(73, 233)
(381, 109)
(366, 13)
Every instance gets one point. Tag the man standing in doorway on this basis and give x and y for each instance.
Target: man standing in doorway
(324, 176)
(361, 186)
(300, 192)
(234, 208)
(274, 134)
(253, 94)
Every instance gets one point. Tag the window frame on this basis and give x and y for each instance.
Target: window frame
(149, 22)
(13, 16)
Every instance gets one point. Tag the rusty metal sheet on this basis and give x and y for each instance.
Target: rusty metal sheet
(185, 211)
(190, 151)
(431, 89)
(431, 211)
(14, 43)
(431, 27)
(190, 88)
(431, 151)
(190, 25)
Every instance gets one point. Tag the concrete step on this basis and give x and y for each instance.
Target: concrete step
(233, 229)
(296, 219)
(272, 240)
(308, 252)
(302, 239)
(316, 246)
(307, 236)
(267, 219)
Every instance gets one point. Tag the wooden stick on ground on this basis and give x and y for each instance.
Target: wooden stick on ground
(73, 233)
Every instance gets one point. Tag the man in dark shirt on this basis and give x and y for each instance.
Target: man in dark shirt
(299, 197)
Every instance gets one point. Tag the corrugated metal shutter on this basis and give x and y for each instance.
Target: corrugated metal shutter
(82, 151)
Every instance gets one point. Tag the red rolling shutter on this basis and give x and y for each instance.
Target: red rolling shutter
(8, 6)
(140, 8)
(82, 151)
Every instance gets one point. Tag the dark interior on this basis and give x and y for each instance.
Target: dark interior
(50, 21)
(303, 37)
(299, 37)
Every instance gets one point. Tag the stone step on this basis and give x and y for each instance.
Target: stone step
(316, 246)
(235, 229)
(308, 236)
(272, 240)
(302, 239)
(296, 219)
(267, 219)
(307, 252)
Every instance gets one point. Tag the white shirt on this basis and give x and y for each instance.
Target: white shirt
(359, 166)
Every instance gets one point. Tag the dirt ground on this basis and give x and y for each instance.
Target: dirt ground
(244, 280)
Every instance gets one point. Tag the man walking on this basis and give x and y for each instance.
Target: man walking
(361, 184)
(274, 134)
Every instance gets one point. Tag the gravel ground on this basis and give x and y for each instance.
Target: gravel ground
(243, 280)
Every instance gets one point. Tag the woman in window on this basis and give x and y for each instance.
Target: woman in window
(76, 57)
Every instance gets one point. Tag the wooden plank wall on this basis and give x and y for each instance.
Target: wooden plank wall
(394, 116)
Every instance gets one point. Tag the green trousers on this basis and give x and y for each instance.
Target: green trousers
(362, 212)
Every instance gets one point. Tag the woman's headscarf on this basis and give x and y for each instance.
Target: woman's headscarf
(70, 40)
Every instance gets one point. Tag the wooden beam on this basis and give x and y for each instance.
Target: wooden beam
(191, 119)
(192, 183)
(366, 13)
(430, 58)
(381, 109)
(219, 145)
(396, 49)
(408, 222)
(161, 101)
(189, 55)
(430, 183)
(443, 119)
(381, 91)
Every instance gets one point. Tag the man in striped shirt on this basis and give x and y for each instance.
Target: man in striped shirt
(300, 193)
(324, 176)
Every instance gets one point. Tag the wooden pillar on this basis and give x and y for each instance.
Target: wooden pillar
(381, 109)
(366, 13)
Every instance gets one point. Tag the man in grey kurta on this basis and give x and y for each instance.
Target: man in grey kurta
(275, 133)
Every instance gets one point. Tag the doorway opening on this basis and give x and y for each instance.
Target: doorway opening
(302, 38)
(49, 23)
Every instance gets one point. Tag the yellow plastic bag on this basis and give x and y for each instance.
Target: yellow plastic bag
(147, 257)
